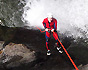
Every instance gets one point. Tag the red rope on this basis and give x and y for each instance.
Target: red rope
(67, 53)
(40, 29)
(64, 50)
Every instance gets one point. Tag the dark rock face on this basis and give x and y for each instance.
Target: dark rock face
(25, 49)
(17, 56)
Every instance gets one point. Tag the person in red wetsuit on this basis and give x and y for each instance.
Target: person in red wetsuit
(50, 25)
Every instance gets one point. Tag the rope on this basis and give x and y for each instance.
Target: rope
(64, 50)
(67, 53)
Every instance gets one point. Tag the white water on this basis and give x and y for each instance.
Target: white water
(70, 14)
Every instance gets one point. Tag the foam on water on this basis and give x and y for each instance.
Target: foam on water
(72, 15)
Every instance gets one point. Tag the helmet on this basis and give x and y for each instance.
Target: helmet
(49, 15)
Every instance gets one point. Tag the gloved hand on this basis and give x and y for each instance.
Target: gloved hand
(52, 30)
(46, 29)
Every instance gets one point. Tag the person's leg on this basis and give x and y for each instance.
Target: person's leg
(47, 35)
(55, 35)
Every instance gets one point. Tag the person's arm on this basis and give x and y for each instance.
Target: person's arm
(55, 26)
(44, 24)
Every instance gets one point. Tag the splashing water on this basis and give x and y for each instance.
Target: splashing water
(72, 15)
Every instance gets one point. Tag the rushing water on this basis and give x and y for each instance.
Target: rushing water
(72, 15)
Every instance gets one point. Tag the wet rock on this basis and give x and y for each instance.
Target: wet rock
(18, 57)
(16, 54)
(85, 67)
(1, 44)
(80, 54)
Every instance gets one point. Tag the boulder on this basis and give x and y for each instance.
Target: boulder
(16, 54)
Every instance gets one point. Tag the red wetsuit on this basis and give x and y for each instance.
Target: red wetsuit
(50, 25)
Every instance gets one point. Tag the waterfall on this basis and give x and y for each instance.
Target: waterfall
(72, 15)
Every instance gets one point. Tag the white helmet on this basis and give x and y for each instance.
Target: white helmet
(50, 15)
